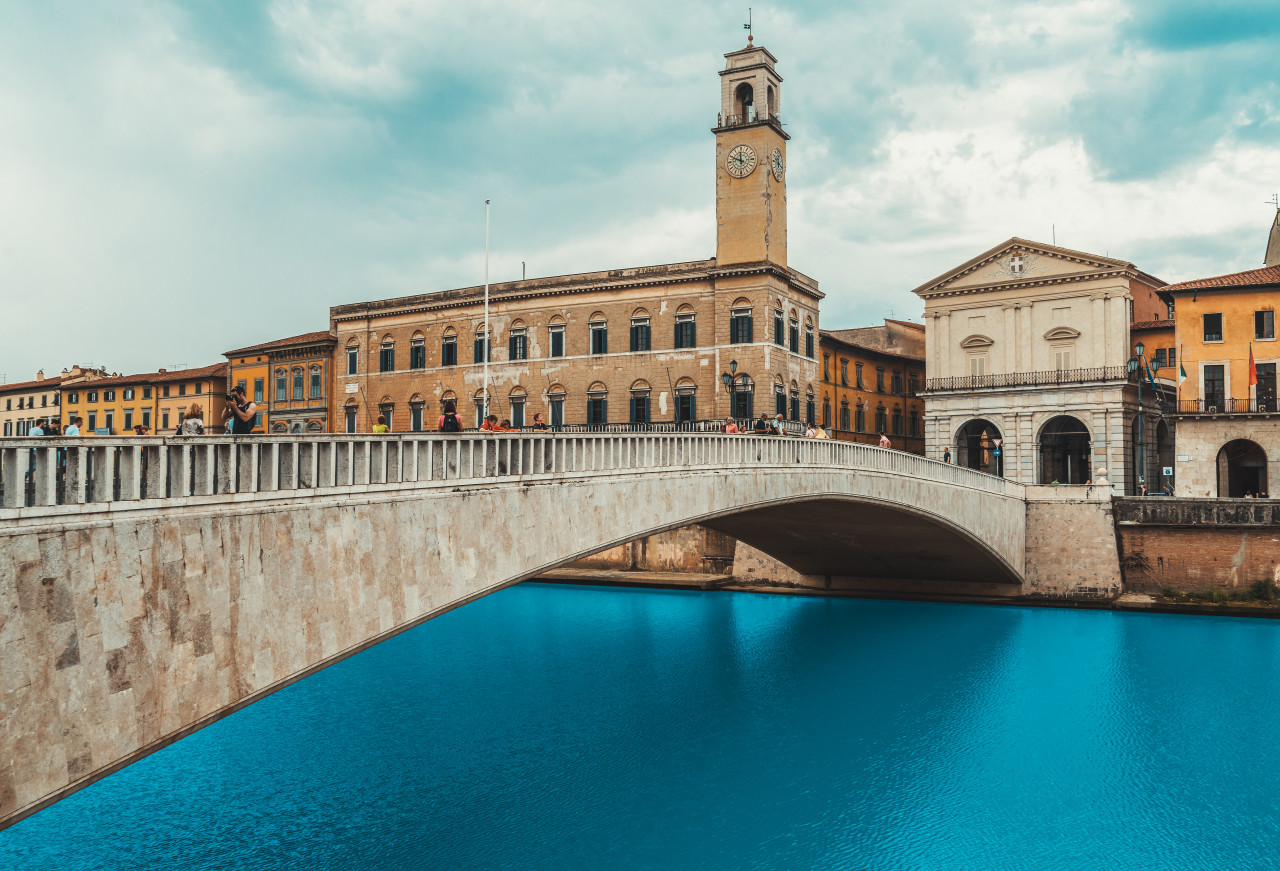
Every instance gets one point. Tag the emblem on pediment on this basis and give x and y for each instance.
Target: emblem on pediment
(1016, 264)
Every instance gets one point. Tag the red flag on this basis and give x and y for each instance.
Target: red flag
(1253, 369)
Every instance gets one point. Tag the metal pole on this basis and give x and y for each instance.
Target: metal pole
(1142, 454)
(486, 310)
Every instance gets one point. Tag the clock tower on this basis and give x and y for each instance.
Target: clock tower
(751, 161)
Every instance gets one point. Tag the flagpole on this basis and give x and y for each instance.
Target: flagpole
(486, 311)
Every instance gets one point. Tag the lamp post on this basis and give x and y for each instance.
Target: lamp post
(1137, 363)
(731, 386)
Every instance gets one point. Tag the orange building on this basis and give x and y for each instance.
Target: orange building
(157, 400)
(870, 381)
(27, 403)
(289, 379)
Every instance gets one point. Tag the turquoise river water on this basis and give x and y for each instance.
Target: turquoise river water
(586, 728)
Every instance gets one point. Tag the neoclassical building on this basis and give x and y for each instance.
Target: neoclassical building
(1027, 366)
(634, 345)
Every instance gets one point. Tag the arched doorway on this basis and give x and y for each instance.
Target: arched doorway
(979, 445)
(1164, 457)
(1242, 469)
(1064, 451)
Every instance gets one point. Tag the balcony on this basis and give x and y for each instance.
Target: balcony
(1050, 378)
(1215, 406)
(724, 122)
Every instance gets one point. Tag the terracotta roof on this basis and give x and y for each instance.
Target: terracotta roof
(217, 370)
(31, 385)
(304, 339)
(1249, 278)
(1152, 325)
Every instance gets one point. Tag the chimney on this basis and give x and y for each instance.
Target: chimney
(161, 372)
(40, 375)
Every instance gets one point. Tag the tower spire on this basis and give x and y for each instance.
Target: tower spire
(1273, 241)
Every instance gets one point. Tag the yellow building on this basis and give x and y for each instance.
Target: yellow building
(299, 373)
(1228, 425)
(155, 400)
(870, 381)
(27, 403)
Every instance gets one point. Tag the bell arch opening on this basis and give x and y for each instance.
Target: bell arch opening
(1242, 469)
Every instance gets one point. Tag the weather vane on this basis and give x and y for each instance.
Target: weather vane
(747, 26)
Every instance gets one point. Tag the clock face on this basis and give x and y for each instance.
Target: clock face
(741, 161)
(776, 162)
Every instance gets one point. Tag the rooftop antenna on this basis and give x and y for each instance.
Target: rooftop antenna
(522, 270)
(1054, 231)
(747, 27)
(1274, 201)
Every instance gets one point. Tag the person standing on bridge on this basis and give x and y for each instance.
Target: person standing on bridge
(381, 427)
(730, 426)
(884, 441)
(449, 421)
(538, 423)
(240, 411)
(777, 426)
(762, 425)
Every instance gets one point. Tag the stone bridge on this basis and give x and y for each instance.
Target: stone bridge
(151, 586)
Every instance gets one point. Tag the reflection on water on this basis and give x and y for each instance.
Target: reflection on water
(570, 727)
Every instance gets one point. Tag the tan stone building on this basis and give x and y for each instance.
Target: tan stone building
(637, 345)
(1028, 352)
(26, 403)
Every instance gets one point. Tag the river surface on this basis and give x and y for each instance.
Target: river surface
(586, 728)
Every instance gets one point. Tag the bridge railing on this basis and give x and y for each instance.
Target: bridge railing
(100, 471)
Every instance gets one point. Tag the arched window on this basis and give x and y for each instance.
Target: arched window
(640, 391)
(449, 347)
(518, 343)
(516, 399)
(317, 381)
(481, 349)
(387, 410)
(794, 396)
(686, 401)
(555, 405)
(641, 337)
(349, 415)
(744, 397)
(555, 332)
(793, 332)
(599, 333)
(743, 102)
(810, 415)
(686, 328)
(299, 383)
(597, 404)
(387, 355)
(808, 338)
(418, 351)
(479, 399)
(741, 329)
(416, 403)
(353, 359)
(770, 101)
(779, 396)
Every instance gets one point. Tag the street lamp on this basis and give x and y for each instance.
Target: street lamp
(730, 385)
(1137, 364)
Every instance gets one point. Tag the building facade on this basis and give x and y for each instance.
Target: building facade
(674, 343)
(156, 400)
(1028, 365)
(1228, 418)
(870, 384)
(289, 379)
(27, 403)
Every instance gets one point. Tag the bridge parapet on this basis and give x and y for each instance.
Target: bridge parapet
(40, 478)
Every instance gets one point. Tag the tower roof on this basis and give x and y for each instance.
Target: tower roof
(1273, 243)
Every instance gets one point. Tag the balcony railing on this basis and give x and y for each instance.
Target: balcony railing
(723, 120)
(1030, 379)
(1265, 405)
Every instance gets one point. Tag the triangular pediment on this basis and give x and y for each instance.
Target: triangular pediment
(1021, 261)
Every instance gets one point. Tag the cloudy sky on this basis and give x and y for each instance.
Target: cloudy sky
(181, 178)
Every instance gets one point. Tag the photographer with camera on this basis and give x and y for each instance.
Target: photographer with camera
(239, 411)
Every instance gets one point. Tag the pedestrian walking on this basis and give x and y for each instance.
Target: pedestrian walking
(192, 421)
(946, 455)
(449, 421)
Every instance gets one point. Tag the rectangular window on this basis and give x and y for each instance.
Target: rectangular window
(417, 354)
(795, 406)
(8, 428)
(110, 395)
(826, 367)
(22, 402)
(793, 336)
(92, 397)
(897, 421)
(109, 421)
(1172, 357)
(779, 337)
(415, 418)
(282, 387)
(1264, 325)
(743, 405)
(857, 381)
(257, 420)
(557, 341)
(297, 384)
(128, 393)
(556, 408)
(449, 351)
(353, 364)
(1157, 360)
(387, 357)
(1266, 393)
(844, 372)
(480, 348)
(780, 403)
(73, 397)
(517, 413)
(640, 334)
(597, 411)
(1215, 392)
(897, 382)
(182, 390)
(977, 366)
(146, 393)
(686, 332)
(1062, 359)
(913, 384)
(199, 387)
(741, 330)
(808, 343)
(599, 338)
(164, 420)
(259, 385)
(128, 418)
(351, 420)
(317, 387)
(146, 418)
(810, 410)
(844, 417)
(686, 408)
(93, 421)
(517, 346)
(640, 408)
(879, 380)
(1213, 327)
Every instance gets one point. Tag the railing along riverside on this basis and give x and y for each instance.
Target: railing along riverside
(1264, 405)
(790, 427)
(1030, 379)
(149, 472)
